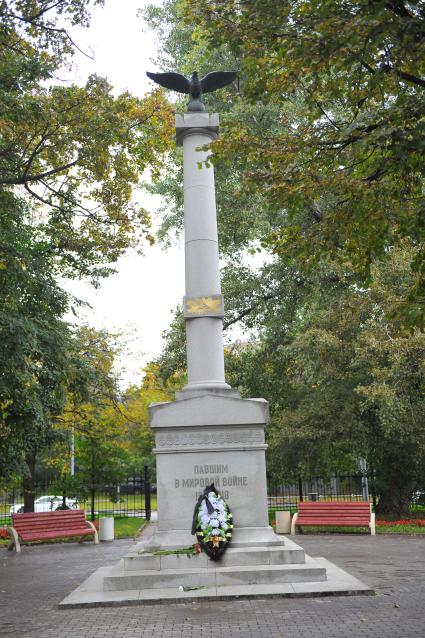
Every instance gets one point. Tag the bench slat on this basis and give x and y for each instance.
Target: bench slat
(32, 524)
(42, 518)
(36, 530)
(46, 517)
(334, 504)
(27, 536)
(37, 521)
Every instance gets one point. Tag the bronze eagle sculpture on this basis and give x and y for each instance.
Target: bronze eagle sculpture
(193, 87)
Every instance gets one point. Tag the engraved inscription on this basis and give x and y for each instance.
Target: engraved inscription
(210, 469)
(218, 474)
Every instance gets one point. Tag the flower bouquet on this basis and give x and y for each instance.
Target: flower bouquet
(212, 523)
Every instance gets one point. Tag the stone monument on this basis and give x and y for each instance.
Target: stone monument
(208, 434)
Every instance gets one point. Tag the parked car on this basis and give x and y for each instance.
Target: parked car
(46, 504)
(136, 485)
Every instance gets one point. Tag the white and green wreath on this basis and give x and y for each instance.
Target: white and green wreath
(212, 523)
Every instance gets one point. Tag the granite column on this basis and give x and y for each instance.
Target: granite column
(203, 303)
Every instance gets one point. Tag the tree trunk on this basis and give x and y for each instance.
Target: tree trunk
(28, 482)
(394, 499)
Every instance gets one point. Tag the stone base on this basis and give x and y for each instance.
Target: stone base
(338, 583)
(281, 569)
(269, 559)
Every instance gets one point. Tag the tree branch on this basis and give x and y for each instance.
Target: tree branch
(40, 25)
(318, 104)
(367, 67)
(36, 150)
(411, 78)
(24, 179)
(35, 16)
(248, 311)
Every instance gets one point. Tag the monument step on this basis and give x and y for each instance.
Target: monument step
(243, 537)
(234, 556)
(215, 577)
(91, 592)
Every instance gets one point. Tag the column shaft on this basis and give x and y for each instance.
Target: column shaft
(204, 334)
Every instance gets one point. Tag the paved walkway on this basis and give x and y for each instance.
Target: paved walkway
(34, 582)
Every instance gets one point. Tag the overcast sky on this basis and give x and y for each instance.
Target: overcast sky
(140, 297)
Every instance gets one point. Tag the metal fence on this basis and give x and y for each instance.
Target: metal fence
(134, 496)
(337, 487)
(128, 498)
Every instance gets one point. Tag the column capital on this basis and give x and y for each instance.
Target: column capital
(195, 124)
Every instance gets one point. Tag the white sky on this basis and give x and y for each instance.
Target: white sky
(140, 297)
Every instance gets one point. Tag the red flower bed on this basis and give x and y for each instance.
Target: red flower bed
(4, 533)
(414, 522)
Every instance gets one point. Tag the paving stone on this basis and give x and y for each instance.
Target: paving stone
(34, 582)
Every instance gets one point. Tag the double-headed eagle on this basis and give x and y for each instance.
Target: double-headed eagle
(193, 87)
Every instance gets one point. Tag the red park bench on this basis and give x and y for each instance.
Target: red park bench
(40, 526)
(351, 514)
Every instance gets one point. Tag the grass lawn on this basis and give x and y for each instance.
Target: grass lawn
(128, 527)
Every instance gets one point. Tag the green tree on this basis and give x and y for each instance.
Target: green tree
(343, 381)
(76, 152)
(92, 401)
(91, 419)
(347, 79)
(318, 165)
(70, 162)
(110, 428)
(34, 343)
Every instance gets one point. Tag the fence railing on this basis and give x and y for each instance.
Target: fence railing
(133, 497)
(337, 487)
(128, 498)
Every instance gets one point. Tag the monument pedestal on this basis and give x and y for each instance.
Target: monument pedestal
(211, 438)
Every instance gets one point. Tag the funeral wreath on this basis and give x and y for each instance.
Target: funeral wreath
(212, 523)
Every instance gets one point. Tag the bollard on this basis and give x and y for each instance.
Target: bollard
(106, 528)
(283, 522)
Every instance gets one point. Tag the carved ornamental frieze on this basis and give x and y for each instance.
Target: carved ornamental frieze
(222, 438)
